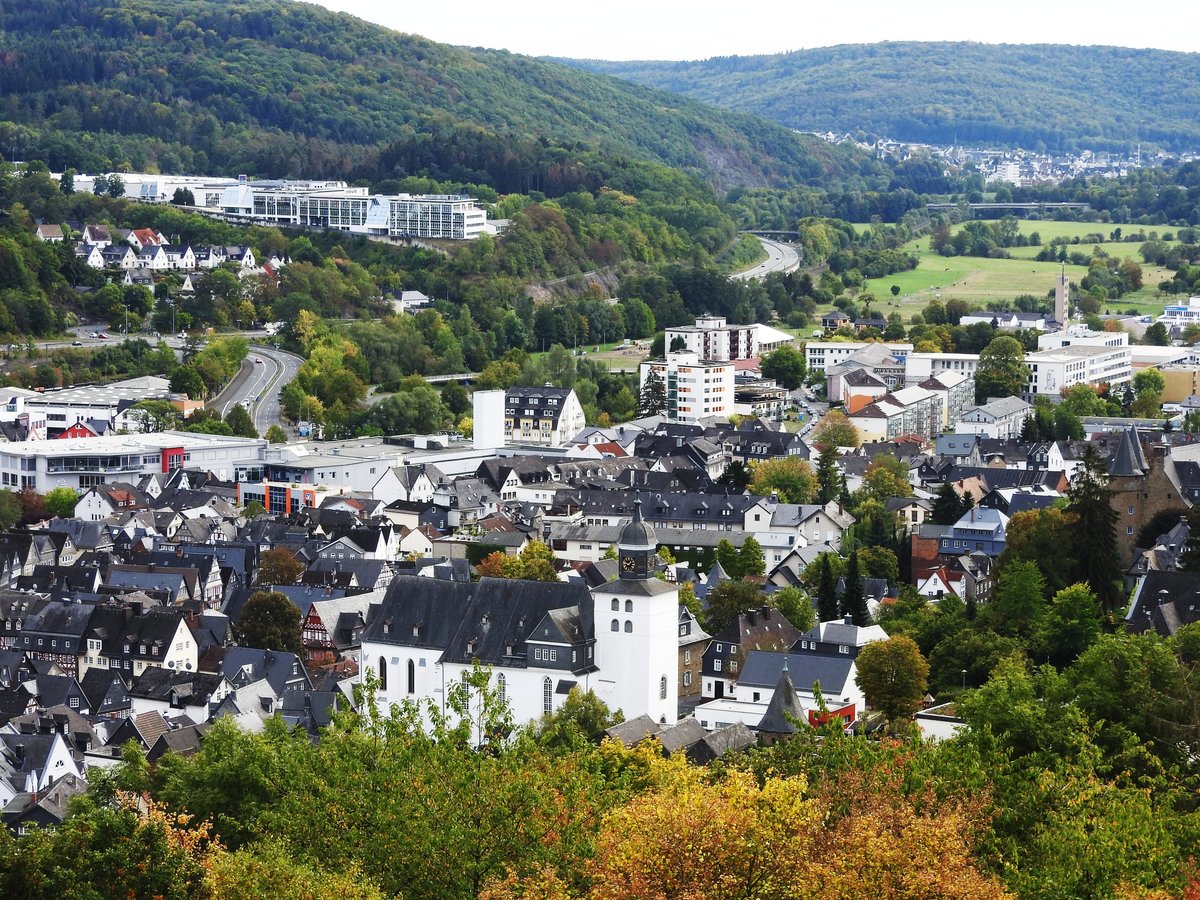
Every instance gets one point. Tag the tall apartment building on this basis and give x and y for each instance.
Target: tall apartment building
(713, 338)
(696, 388)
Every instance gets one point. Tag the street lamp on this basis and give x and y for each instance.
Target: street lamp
(964, 676)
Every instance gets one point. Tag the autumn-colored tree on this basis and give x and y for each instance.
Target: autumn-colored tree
(691, 838)
(279, 566)
(835, 430)
(886, 477)
(791, 477)
(893, 676)
(535, 562)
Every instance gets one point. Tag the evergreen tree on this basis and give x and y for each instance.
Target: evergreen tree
(828, 476)
(730, 559)
(751, 560)
(1189, 561)
(1094, 537)
(827, 600)
(1029, 430)
(854, 601)
(653, 399)
(947, 507)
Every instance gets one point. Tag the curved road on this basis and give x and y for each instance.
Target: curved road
(258, 384)
(781, 258)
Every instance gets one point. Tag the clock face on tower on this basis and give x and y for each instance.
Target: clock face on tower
(628, 563)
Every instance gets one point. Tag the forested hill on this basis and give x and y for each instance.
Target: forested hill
(1063, 97)
(274, 88)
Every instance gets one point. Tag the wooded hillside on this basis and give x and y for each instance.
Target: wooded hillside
(1052, 95)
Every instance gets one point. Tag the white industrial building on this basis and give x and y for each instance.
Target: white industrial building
(81, 463)
(1052, 371)
(1082, 336)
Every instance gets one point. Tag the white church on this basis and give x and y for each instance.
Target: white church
(540, 639)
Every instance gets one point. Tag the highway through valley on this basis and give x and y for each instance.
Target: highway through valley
(781, 258)
(264, 373)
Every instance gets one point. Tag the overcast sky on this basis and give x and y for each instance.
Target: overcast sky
(654, 29)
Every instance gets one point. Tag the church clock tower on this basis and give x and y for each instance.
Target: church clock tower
(636, 547)
(637, 630)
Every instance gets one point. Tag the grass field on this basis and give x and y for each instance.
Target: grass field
(981, 281)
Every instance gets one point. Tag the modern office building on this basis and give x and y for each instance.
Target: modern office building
(81, 463)
(1052, 371)
(334, 204)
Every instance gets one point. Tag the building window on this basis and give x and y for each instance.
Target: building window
(616, 605)
(553, 655)
(843, 649)
(687, 679)
(547, 695)
(616, 626)
(502, 688)
(628, 627)
(662, 688)
(628, 606)
(716, 665)
(382, 674)
(412, 677)
(687, 657)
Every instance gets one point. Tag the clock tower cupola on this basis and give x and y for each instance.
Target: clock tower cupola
(637, 547)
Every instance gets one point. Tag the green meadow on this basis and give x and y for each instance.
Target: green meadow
(981, 281)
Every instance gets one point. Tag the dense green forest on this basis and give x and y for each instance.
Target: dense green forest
(1054, 96)
(274, 88)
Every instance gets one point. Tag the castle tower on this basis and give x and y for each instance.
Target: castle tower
(1062, 295)
(637, 642)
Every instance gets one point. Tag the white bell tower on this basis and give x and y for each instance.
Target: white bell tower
(637, 638)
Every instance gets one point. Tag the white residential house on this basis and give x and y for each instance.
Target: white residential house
(153, 258)
(91, 254)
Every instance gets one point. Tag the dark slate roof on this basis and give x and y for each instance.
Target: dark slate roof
(716, 744)
(434, 608)
(634, 730)
(59, 618)
(763, 668)
(105, 690)
(784, 705)
(1004, 478)
(504, 611)
(1128, 460)
(191, 688)
(243, 665)
(1164, 602)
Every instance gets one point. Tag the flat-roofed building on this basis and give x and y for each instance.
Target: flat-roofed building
(819, 355)
(696, 388)
(83, 463)
(1053, 371)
